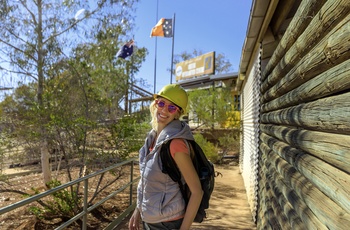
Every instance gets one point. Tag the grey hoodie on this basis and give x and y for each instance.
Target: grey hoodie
(159, 198)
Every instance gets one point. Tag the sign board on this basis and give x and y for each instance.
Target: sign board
(201, 65)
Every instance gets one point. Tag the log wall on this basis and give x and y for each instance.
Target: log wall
(304, 140)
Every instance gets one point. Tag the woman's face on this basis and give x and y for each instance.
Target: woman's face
(166, 111)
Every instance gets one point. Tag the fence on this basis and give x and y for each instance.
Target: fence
(86, 210)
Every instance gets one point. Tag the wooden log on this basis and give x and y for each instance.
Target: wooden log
(294, 219)
(334, 80)
(261, 220)
(310, 221)
(331, 51)
(281, 217)
(281, 14)
(277, 183)
(331, 13)
(329, 180)
(330, 114)
(272, 220)
(264, 199)
(331, 148)
(326, 210)
(277, 206)
(269, 218)
(297, 26)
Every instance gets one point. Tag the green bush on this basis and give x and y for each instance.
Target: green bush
(128, 134)
(229, 142)
(210, 150)
(64, 204)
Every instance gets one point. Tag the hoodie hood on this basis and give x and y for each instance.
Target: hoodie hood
(175, 129)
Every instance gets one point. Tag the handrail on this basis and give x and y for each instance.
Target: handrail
(86, 209)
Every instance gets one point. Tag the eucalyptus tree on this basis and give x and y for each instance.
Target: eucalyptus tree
(88, 92)
(36, 35)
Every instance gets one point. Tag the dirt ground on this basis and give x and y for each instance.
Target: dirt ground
(229, 207)
(15, 188)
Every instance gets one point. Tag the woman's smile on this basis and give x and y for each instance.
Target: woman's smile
(162, 117)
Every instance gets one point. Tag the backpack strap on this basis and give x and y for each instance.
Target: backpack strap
(169, 167)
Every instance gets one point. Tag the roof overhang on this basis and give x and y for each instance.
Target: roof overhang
(260, 16)
(205, 81)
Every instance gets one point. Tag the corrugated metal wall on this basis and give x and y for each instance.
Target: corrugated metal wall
(250, 138)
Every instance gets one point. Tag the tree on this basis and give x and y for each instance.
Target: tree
(211, 105)
(36, 35)
(214, 106)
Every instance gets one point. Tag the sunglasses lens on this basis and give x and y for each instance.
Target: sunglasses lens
(172, 108)
(161, 104)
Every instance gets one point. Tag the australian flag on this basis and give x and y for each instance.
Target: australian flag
(126, 50)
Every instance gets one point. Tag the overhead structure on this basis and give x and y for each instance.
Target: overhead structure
(228, 79)
(5, 88)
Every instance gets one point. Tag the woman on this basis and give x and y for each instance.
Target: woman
(160, 204)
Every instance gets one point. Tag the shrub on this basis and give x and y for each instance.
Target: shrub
(64, 204)
(210, 150)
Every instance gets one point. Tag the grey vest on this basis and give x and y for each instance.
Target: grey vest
(159, 198)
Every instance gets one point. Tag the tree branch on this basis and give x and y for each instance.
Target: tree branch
(16, 48)
(76, 22)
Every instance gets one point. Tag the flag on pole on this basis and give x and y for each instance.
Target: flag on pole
(126, 50)
(164, 28)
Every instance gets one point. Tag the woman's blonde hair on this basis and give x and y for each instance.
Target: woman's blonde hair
(153, 110)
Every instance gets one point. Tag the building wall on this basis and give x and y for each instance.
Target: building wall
(250, 138)
(304, 122)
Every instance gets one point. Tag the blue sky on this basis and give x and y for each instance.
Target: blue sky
(204, 25)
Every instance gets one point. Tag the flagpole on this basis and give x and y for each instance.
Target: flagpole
(155, 57)
(172, 52)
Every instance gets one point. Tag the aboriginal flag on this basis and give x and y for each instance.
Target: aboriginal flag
(164, 28)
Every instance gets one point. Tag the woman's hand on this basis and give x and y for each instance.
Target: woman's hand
(134, 222)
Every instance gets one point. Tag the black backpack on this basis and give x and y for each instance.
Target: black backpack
(205, 171)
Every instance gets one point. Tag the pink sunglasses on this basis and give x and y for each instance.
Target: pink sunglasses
(171, 108)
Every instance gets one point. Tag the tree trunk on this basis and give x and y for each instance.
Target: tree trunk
(45, 163)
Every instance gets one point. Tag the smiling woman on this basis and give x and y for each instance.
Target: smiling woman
(160, 204)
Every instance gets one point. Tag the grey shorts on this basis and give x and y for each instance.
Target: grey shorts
(170, 225)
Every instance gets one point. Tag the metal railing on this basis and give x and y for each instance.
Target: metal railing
(86, 210)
